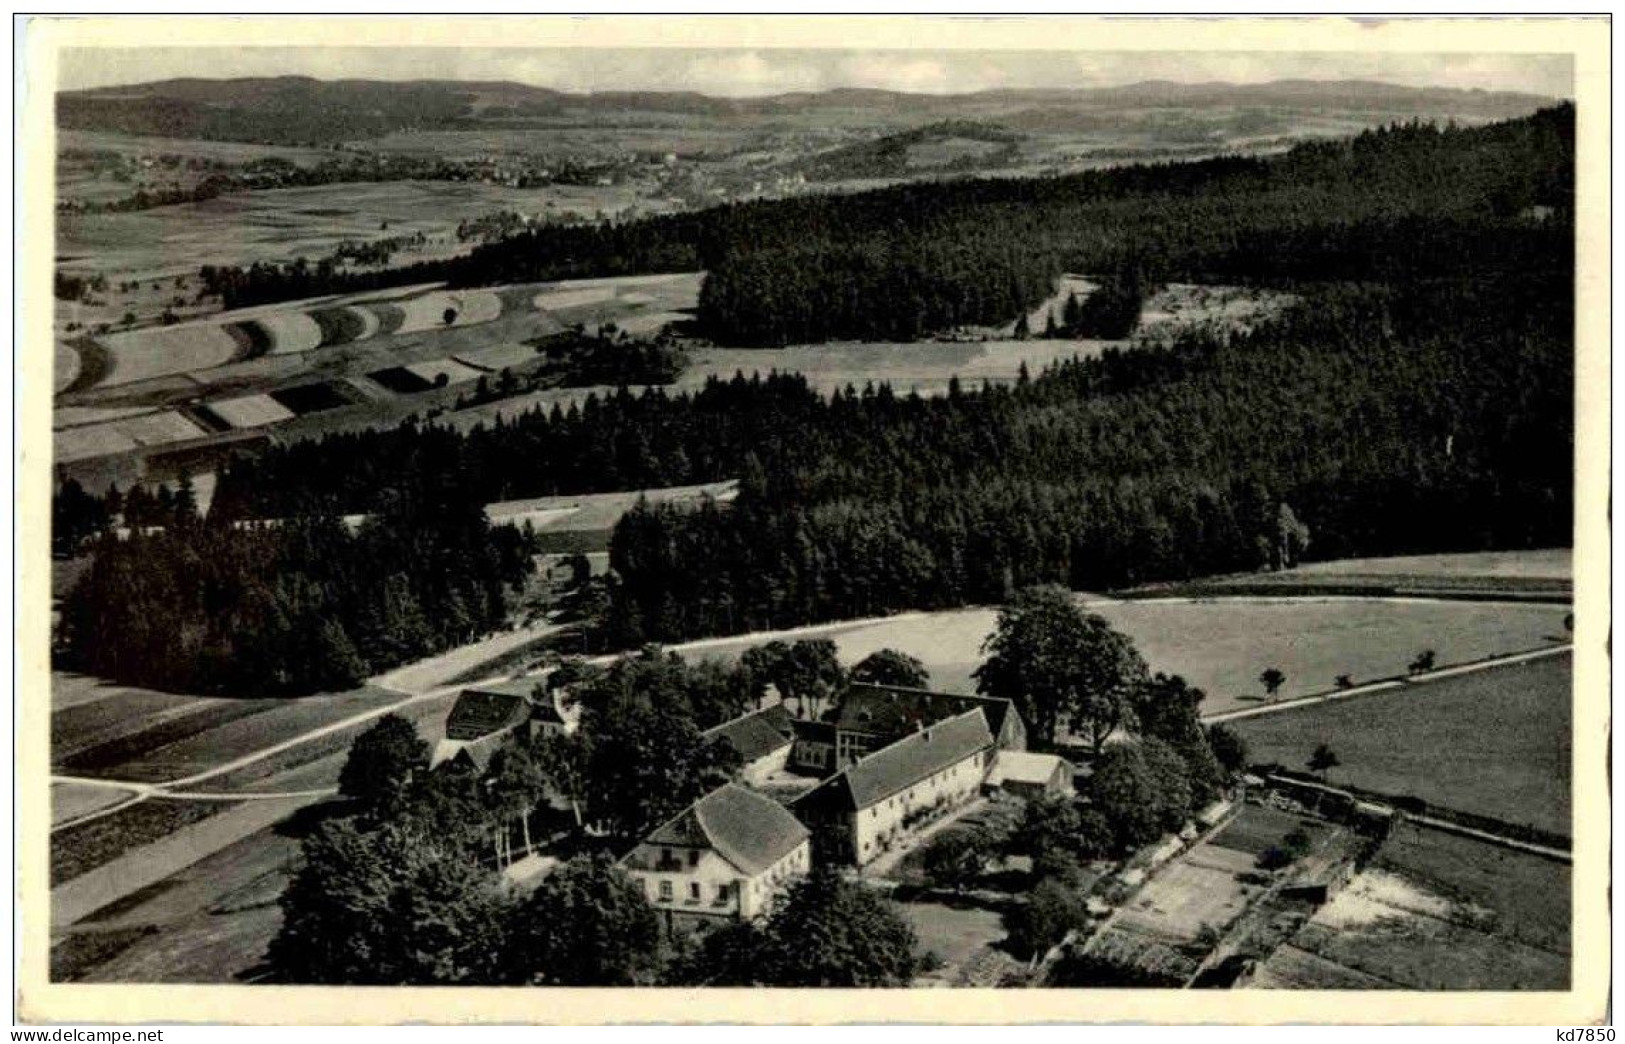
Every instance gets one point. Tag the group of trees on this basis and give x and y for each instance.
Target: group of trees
(401, 889)
(290, 606)
(1387, 205)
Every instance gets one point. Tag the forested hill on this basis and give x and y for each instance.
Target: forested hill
(1418, 398)
(903, 262)
(301, 110)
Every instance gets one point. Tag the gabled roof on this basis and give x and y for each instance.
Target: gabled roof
(483, 712)
(890, 710)
(1020, 766)
(750, 831)
(812, 731)
(903, 763)
(755, 735)
(478, 751)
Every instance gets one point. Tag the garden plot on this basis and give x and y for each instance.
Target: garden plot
(1198, 891)
(251, 411)
(453, 371)
(161, 351)
(497, 356)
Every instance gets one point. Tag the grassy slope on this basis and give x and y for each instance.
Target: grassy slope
(1495, 743)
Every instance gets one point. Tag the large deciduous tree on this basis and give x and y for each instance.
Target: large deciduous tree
(1061, 665)
(396, 905)
(383, 762)
(891, 667)
(587, 924)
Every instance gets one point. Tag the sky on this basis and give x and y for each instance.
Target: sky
(748, 72)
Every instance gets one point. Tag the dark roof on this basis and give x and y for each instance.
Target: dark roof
(481, 712)
(757, 734)
(889, 710)
(905, 762)
(812, 731)
(748, 830)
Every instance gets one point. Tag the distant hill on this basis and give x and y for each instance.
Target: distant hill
(295, 109)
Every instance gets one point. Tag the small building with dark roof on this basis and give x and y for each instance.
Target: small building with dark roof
(762, 738)
(813, 752)
(483, 718)
(872, 716)
(869, 807)
(724, 857)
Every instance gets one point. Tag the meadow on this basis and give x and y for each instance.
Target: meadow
(1222, 645)
(1494, 743)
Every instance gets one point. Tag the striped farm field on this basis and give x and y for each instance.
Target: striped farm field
(165, 350)
(470, 308)
(344, 325)
(250, 411)
(291, 332)
(65, 369)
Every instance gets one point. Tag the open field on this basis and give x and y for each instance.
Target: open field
(73, 800)
(1546, 575)
(1221, 645)
(111, 424)
(282, 224)
(1550, 564)
(923, 367)
(79, 849)
(1495, 743)
(210, 922)
(150, 737)
(1439, 913)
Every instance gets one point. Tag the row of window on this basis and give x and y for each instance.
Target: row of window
(696, 891)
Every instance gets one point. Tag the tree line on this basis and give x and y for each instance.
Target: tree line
(291, 606)
(1389, 204)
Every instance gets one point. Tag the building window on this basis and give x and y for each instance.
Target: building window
(694, 857)
(665, 855)
(694, 890)
(665, 890)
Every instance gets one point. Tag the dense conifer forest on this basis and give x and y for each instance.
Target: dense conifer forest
(1417, 398)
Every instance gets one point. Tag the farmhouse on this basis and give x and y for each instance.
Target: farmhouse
(723, 857)
(1030, 775)
(870, 806)
(483, 718)
(763, 739)
(871, 716)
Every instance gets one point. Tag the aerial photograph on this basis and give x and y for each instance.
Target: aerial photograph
(725, 517)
